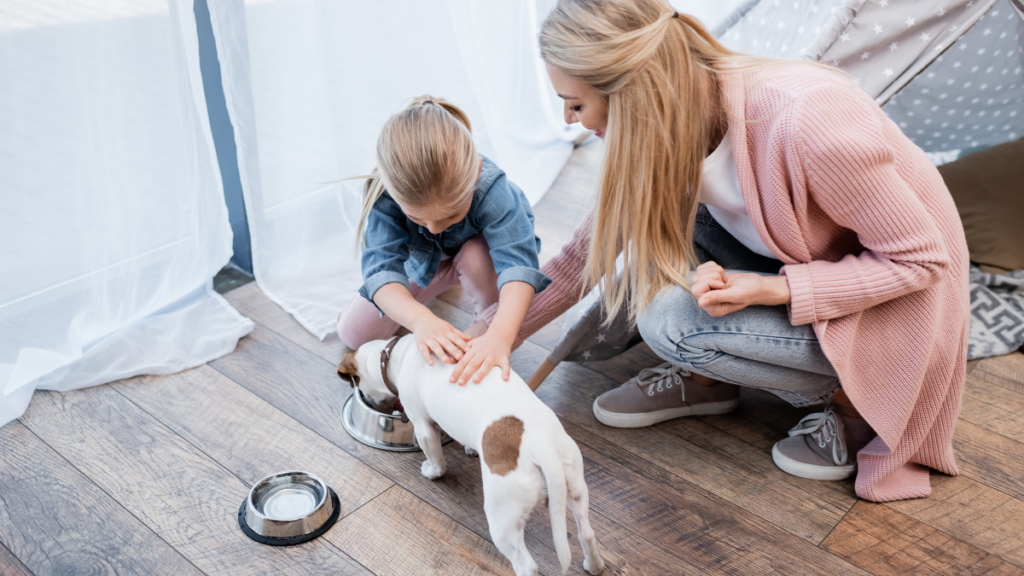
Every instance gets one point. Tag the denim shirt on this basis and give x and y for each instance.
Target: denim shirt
(398, 250)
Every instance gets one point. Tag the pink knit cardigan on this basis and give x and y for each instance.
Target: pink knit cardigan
(874, 253)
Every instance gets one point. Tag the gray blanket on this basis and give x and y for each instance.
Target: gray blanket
(997, 313)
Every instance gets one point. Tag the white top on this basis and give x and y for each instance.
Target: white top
(720, 192)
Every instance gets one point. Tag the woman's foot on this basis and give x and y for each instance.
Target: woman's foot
(663, 393)
(824, 446)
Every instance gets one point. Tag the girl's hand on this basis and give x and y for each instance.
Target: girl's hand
(435, 335)
(741, 290)
(484, 353)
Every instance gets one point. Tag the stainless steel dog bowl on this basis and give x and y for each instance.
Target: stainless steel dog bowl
(288, 508)
(392, 432)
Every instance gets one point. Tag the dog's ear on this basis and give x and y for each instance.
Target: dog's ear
(348, 369)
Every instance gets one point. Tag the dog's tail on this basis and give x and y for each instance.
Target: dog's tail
(554, 476)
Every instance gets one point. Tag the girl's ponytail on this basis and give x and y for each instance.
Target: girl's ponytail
(425, 156)
(427, 100)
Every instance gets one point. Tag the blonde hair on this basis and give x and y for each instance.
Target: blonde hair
(657, 69)
(425, 157)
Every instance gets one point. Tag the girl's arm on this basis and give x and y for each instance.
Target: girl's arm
(495, 347)
(432, 334)
(566, 288)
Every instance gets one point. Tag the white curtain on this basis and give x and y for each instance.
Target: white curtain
(112, 218)
(309, 83)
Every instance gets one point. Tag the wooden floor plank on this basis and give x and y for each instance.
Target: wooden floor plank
(994, 408)
(1006, 371)
(400, 534)
(305, 387)
(189, 500)
(10, 565)
(887, 543)
(257, 439)
(989, 458)
(250, 301)
(712, 533)
(969, 511)
(54, 520)
(252, 439)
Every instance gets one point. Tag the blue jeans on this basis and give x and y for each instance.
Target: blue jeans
(755, 347)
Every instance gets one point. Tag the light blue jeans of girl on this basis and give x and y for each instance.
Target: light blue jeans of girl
(756, 346)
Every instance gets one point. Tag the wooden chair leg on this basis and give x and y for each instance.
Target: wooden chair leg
(540, 374)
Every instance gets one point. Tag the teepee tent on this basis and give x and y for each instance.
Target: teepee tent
(950, 73)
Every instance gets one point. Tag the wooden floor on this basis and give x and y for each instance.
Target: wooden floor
(145, 476)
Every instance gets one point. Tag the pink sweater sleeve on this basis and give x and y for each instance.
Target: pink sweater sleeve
(566, 288)
(852, 175)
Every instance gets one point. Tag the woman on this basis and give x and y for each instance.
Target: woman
(787, 169)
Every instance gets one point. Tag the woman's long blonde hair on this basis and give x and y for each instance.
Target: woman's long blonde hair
(425, 157)
(650, 64)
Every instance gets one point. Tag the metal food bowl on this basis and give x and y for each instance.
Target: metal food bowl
(288, 508)
(392, 432)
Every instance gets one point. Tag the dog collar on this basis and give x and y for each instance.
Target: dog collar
(385, 356)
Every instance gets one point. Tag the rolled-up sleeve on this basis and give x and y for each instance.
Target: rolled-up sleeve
(508, 230)
(386, 249)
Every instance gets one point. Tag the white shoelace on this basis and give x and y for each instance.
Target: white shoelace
(824, 427)
(660, 378)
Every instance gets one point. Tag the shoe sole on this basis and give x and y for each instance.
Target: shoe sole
(617, 420)
(811, 471)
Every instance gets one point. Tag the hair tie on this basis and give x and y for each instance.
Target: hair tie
(675, 14)
(425, 102)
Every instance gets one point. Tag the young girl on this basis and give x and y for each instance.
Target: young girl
(437, 214)
(741, 163)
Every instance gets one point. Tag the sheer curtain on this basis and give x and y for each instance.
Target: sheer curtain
(309, 83)
(112, 220)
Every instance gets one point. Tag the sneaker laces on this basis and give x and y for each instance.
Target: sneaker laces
(824, 427)
(660, 378)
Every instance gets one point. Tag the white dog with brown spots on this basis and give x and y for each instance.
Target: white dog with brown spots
(525, 454)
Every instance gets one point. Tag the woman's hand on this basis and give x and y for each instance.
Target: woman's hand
(719, 293)
(435, 335)
(708, 276)
(484, 353)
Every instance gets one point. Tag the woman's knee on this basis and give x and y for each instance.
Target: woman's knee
(667, 320)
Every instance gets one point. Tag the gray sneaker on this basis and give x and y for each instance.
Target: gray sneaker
(823, 446)
(663, 393)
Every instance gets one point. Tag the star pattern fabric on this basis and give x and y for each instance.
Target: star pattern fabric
(777, 28)
(955, 90)
(973, 94)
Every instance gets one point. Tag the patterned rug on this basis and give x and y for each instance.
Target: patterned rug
(997, 313)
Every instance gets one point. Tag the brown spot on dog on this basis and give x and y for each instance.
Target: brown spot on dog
(500, 446)
(348, 369)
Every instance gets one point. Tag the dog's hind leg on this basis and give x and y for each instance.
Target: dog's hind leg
(579, 503)
(507, 506)
(429, 440)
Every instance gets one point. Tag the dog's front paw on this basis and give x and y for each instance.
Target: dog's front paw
(593, 566)
(431, 471)
(470, 452)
